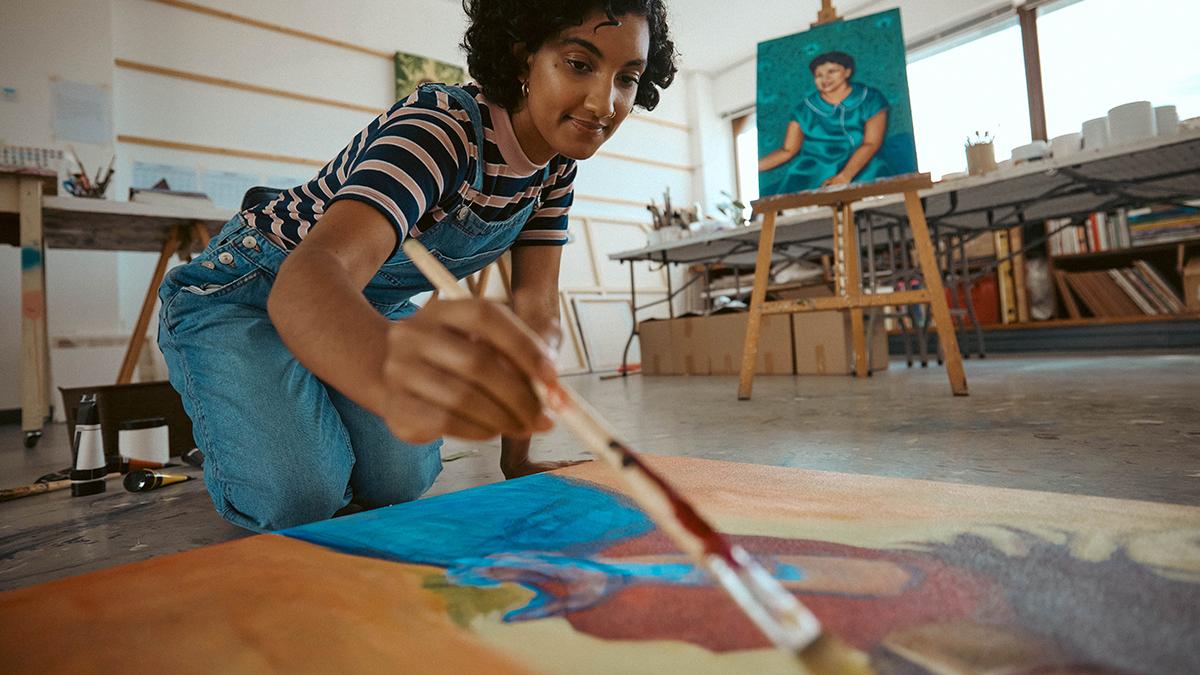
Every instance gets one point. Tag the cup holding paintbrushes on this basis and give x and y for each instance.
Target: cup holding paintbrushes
(81, 185)
(786, 622)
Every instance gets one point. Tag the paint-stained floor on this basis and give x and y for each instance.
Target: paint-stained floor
(1125, 425)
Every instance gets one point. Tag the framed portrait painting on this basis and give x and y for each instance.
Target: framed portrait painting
(833, 106)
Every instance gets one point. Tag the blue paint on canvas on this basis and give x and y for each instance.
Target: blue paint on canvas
(528, 531)
(538, 513)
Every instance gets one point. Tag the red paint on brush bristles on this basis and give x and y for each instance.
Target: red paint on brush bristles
(714, 544)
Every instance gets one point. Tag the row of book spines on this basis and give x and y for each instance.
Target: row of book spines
(1127, 291)
(1097, 235)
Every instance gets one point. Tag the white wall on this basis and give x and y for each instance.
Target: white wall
(100, 293)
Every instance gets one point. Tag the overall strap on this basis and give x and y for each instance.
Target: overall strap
(472, 107)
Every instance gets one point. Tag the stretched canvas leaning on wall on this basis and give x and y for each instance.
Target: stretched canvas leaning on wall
(413, 71)
(833, 106)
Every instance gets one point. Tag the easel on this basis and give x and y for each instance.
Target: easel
(827, 14)
(477, 283)
(849, 294)
(180, 241)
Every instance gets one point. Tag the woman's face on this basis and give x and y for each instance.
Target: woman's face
(831, 76)
(582, 85)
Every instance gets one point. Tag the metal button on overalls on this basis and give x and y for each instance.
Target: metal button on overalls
(226, 258)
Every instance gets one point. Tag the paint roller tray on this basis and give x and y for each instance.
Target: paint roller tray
(122, 402)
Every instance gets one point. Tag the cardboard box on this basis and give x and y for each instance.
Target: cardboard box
(727, 337)
(712, 345)
(654, 340)
(673, 346)
(823, 346)
(1191, 285)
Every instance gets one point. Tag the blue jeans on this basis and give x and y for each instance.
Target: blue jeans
(281, 448)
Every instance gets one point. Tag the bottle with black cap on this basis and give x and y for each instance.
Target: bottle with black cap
(87, 476)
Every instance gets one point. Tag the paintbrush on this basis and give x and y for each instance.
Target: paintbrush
(778, 614)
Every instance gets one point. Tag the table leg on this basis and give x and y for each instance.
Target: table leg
(762, 271)
(851, 254)
(633, 332)
(937, 294)
(170, 246)
(35, 351)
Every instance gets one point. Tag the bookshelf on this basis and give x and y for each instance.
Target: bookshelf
(1124, 283)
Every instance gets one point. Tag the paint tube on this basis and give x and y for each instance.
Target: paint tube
(87, 475)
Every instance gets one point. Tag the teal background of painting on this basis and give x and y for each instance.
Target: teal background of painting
(877, 44)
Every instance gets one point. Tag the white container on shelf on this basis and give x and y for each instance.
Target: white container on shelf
(1095, 134)
(1166, 120)
(1131, 122)
(1067, 144)
(1030, 152)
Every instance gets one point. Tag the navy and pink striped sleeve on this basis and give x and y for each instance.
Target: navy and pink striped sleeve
(417, 157)
(548, 225)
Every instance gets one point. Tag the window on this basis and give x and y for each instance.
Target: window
(745, 150)
(975, 86)
(1098, 54)
(1095, 54)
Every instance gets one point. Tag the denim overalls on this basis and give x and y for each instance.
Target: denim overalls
(281, 448)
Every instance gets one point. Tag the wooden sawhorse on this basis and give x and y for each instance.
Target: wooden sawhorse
(848, 275)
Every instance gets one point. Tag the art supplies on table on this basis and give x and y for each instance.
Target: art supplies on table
(80, 185)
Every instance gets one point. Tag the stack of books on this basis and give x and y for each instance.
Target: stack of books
(1129, 291)
(1162, 224)
(1098, 232)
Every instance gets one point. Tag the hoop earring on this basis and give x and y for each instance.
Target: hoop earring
(612, 116)
(525, 89)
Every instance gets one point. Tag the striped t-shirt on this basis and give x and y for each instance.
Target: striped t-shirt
(416, 163)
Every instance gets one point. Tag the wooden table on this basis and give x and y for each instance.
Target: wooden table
(33, 218)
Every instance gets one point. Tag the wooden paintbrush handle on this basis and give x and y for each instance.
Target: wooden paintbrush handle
(786, 622)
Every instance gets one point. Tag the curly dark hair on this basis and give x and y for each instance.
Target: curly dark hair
(497, 25)
(840, 58)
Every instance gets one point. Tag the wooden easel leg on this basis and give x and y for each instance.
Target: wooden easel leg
(481, 281)
(505, 276)
(200, 234)
(937, 294)
(170, 246)
(850, 253)
(762, 271)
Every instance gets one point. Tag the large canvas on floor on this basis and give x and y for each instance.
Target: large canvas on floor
(833, 106)
(561, 573)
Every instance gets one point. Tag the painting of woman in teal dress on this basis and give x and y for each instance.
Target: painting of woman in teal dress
(842, 130)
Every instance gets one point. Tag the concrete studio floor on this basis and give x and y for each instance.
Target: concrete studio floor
(1123, 425)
